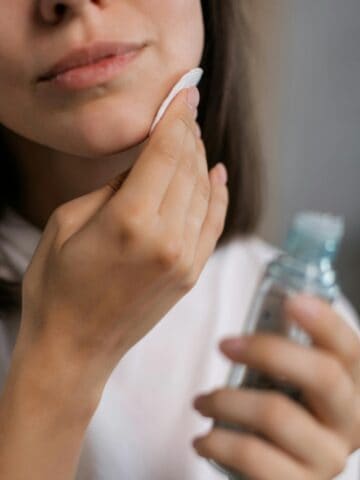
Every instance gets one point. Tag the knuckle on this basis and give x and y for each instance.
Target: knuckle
(329, 374)
(249, 450)
(233, 454)
(217, 399)
(168, 253)
(188, 167)
(130, 230)
(340, 456)
(128, 223)
(132, 213)
(210, 443)
(185, 120)
(195, 221)
(274, 409)
(203, 186)
(188, 278)
(165, 148)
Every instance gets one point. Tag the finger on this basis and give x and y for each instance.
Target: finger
(214, 222)
(326, 386)
(187, 201)
(327, 329)
(249, 455)
(150, 176)
(175, 203)
(196, 215)
(264, 412)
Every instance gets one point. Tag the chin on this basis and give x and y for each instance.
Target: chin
(133, 142)
(105, 146)
(104, 135)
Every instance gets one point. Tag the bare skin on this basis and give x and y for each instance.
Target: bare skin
(152, 245)
(69, 146)
(71, 143)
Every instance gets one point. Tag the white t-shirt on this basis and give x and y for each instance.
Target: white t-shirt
(144, 424)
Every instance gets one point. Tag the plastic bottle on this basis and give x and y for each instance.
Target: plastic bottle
(304, 266)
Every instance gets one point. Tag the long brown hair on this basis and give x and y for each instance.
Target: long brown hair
(227, 119)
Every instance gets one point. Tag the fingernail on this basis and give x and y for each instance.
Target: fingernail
(221, 173)
(234, 345)
(193, 97)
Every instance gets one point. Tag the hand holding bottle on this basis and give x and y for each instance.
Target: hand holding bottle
(293, 409)
(282, 439)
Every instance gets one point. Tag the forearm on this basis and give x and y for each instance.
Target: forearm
(44, 413)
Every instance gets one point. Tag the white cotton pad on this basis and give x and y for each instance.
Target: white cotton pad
(190, 79)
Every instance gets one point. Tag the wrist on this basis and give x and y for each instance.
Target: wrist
(54, 380)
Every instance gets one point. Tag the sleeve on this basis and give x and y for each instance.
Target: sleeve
(348, 313)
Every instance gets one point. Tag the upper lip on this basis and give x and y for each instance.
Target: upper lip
(89, 54)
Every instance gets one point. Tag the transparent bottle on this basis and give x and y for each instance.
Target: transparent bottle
(304, 266)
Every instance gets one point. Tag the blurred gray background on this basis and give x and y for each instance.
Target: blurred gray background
(309, 79)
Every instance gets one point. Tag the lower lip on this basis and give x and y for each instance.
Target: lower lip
(93, 74)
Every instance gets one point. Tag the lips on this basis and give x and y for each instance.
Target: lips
(88, 55)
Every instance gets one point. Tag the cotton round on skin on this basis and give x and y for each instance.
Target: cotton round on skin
(190, 79)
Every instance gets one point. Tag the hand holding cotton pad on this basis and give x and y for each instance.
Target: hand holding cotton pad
(190, 79)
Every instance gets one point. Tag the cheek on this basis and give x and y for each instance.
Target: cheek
(15, 97)
(180, 24)
(15, 41)
(115, 117)
(15, 66)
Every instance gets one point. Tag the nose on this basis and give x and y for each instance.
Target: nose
(52, 11)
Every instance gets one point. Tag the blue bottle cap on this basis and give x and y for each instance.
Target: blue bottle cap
(314, 236)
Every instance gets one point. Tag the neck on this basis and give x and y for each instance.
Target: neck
(50, 178)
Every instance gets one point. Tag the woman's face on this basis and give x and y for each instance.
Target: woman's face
(109, 117)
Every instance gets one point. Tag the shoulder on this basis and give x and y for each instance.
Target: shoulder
(250, 250)
(234, 271)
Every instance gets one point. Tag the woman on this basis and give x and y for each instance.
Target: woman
(114, 300)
